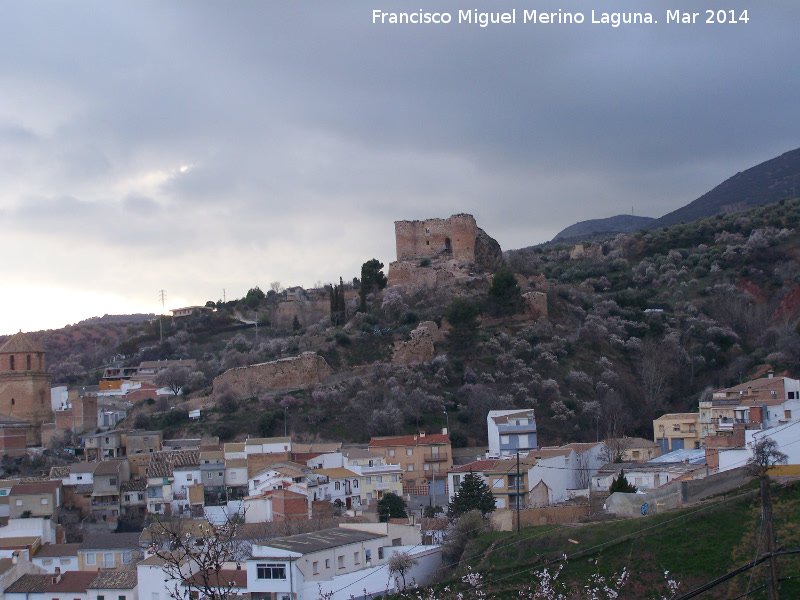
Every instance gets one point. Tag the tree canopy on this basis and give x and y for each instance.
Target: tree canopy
(391, 506)
(473, 494)
(505, 295)
(371, 278)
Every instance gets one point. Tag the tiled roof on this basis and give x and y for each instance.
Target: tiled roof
(84, 488)
(40, 487)
(306, 543)
(356, 453)
(581, 447)
(550, 452)
(275, 440)
(258, 462)
(30, 584)
(138, 484)
(83, 467)
(306, 448)
(503, 418)
(51, 550)
(108, 467)
(111, 541)
(336, 473)
(19, 342)
(114, 580)
(410, 440)
(73, 582)
(59, 472)
(162, 464)
(435, 524)
(476, 467)
(236, 463)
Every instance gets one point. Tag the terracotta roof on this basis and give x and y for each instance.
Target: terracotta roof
(435, 524)
(223, 578)
(162, 464)
(59, 472)
(234, 447)
(550, 452)
(258, 462)
(73, 582)
(30, 584)
(138, 484)
(476, 467)
(19, 542)
(40, 487)
(321, 448)
(410, 440)
(51, 550)
(114, 580)
(19, 342)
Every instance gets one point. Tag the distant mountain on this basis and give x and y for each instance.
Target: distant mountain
(766, 183)
(618, 224)
(763, 184)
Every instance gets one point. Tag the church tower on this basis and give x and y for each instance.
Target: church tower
(24, 382)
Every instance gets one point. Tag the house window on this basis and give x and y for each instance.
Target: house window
(221, 473)
(355, 483)
(101, 597)
(315, 564)
(410, 467)
(188, 477)
(47, 562)
(327, 563)
(394, 477)
(397, 542)
(122, 598)
(356, 558)
(108, 560)
(44, 501)
(65, 561)
(112, 481)
(270, 571)
(90, 560)
(391, 451)
(787, 414)
(368, 480)
(11, 365)
(28, 362)
(380, 553)
(340, 562)
(208, 475)
(19, 502)
(409, 451)
(336, 485)
(126, 557)
(497, 483)
(426, 467)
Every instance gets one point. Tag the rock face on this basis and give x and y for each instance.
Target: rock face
(535, 304)
(451, 247)
(297, 372)
(420, 347)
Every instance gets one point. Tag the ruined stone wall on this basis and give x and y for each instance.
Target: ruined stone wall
(308, 312)
(297, 372)
(420, 347)
(429, 238)
(535, 304)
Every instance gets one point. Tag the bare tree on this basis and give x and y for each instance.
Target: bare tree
(401, 563)
(173, 378)
(194, 559)
(614, 448)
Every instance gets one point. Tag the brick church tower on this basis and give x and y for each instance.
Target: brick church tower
(24, 382)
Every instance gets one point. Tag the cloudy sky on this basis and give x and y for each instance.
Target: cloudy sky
(204, 146)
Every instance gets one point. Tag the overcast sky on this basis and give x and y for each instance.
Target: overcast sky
(201, 146)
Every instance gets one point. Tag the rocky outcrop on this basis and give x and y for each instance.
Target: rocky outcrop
(535, 304)
(487, 251)
(297, 372)
(420, 347)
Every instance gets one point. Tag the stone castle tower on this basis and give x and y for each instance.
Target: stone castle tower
(24, 382)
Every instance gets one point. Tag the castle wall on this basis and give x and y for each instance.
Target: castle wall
(297, 372)
(429, 238)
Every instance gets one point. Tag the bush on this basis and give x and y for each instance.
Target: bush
(425, 262)
(342, 338)
(225, 431)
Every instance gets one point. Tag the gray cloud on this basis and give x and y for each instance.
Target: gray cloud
(245, 141)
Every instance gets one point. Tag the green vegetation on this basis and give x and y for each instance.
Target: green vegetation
(391, 506)
(472, 494)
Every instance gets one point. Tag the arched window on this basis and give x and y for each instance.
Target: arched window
(28, 362)
(11, 362)
(447, 245)
(12, 402)
(355, 483)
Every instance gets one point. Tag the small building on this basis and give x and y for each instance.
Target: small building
(109, 475)
(119, 585)
(511, 431)
(676, 431)
(109, 551)
(57, 556)
(423, 458)
(40, 499)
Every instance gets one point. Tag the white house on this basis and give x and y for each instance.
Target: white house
(57, 556)
(154, 582)
(785, 436)
(511, 431)
(268, 445)
(345, 562)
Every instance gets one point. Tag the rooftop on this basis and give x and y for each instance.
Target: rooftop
(410, 440)
(30, 584)
(55, 550)
(111, 541)
(73, 582)
(19, 342)
(114, 580)
(40, 487)
(305, 543)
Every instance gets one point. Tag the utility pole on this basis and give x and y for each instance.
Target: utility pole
(518, 494)
(769, 537)
(163, 295)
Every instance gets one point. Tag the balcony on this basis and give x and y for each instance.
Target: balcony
(381, 469)
(505, 429)
(382, 486)
(436, 457)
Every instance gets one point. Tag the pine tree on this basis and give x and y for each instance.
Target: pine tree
(620, 484)
(473, 494)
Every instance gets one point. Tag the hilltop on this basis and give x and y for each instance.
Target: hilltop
(644, 323)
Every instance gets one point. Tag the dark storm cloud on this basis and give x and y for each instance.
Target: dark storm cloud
(277, 130)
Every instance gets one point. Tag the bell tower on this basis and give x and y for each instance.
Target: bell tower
(24, 381)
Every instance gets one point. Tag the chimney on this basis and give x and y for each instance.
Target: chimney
(770, 374)
(422, 434)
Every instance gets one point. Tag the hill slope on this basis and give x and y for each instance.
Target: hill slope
(618, 224)
(763, 184)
